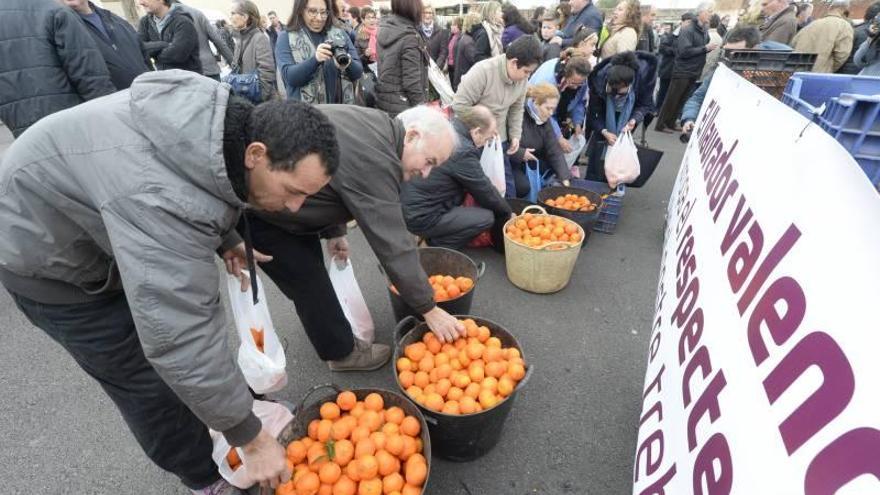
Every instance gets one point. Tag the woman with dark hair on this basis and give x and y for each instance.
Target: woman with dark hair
(538, 142)
(621, 94)
(538, 18)
(515, 25)
(317, 60)
(626, 22)
(403, 65)
(252, 51)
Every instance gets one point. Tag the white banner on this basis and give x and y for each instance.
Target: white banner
(763, 371)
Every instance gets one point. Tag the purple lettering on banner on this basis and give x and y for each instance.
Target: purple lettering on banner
(827, 402)
(779, 251)
(723, 163)
(687, 237)
(719, 187)
(707, 402)
(690, 334)
(656, 382)
(654, 347)
(688, 300)
(700, 360)
(658, 487)
(736, 225)
(728, 193)
(780, 326)
(656, 408)
(744, 257)
(652, 462)
(690, 266)
(846, 458)
(720, 482)
(714, 153)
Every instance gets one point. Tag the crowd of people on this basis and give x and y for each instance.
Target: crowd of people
(135, 166)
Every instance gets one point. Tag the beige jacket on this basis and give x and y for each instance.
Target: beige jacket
(831, 38)
(487, 83)
(624, 40)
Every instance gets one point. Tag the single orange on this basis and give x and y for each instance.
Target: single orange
(344, 452)
(329, 473)
(410, 426)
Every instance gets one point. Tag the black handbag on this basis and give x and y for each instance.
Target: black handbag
(365, 89)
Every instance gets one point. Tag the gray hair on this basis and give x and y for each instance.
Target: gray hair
(704, 6)
(428, 121)
(839, 4)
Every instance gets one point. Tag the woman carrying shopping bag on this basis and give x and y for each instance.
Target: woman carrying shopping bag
(621, 94)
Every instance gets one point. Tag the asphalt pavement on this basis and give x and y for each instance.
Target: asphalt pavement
(572, 429)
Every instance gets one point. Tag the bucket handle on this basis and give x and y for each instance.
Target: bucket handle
(534, 207)
(403, 327)
(547, 247)
(481, 269)
(428, 419)
(305, 397)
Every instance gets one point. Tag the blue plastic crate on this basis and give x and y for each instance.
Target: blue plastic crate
(609, 215)
(807, 91)
(854, 121)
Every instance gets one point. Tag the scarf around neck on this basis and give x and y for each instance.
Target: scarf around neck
(494, 33)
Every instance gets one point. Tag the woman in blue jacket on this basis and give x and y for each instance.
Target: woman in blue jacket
(305, 55)
(621, 94)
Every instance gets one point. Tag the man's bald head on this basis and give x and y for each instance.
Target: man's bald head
(480, 122)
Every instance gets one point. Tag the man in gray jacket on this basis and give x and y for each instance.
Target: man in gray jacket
(110, 217)
(377, 154)
(206, 32)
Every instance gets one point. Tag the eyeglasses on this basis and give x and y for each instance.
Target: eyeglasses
(317, 13)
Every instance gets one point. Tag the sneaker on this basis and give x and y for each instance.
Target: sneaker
(364, 357)
(220, 487)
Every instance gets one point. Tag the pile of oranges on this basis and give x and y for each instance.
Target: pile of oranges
(571, 202)
(357, 448)
(259, 339)
(468, 376)
(446, 287)
(537, 231)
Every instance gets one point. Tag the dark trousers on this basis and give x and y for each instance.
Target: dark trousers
(458, 226)
(679, 88)
(298, 269)
(662, 89)
(102, 339)
(521, 181)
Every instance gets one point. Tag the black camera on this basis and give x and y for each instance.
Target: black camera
(339, 48)
(874, 28)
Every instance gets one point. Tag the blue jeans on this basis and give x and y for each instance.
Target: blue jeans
(101, 338)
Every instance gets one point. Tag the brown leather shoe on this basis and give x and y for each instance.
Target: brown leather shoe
(364, 357)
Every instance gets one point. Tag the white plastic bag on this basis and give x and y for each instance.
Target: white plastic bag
(274, 417)
(440, 82)
(577, 142)
(492, 162)
(622, 161)
(264, 371)
(351, 299)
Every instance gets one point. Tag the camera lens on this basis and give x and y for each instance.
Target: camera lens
(341, 56)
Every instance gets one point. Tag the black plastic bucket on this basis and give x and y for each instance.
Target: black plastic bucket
(586, 219)
(435, 261)
(304, 414)
(462, 438)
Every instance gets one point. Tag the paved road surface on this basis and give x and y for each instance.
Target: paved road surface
(572, 429)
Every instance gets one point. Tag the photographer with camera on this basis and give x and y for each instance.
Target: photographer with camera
(867, 55)
(317, 60)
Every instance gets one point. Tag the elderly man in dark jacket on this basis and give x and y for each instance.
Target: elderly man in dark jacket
(118, 41)
(377, 154)
(48, 62)
(780, 21)
(432, 207)
(690, 57)
(583, 14)
(169, 36)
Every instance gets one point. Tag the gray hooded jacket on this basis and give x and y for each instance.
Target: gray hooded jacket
(133, 188)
